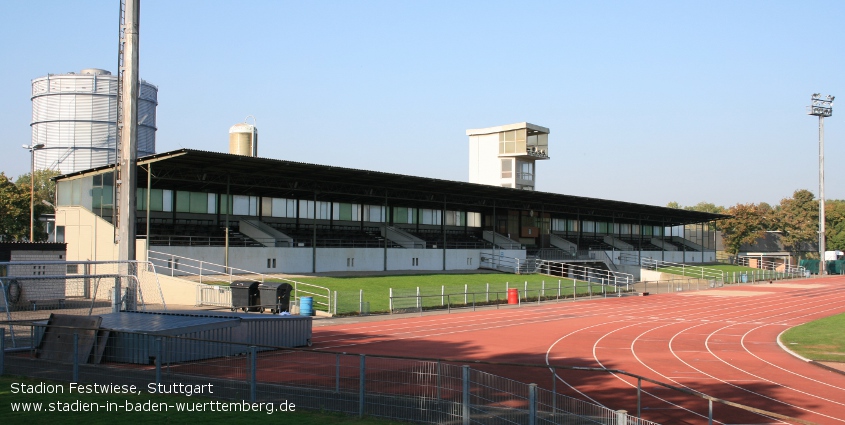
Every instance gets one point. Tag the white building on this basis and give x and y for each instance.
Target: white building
(74, 117)
(506, 155)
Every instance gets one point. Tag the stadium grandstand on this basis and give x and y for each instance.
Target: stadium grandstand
(277, 216)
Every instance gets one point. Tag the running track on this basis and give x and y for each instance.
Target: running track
(721, 342)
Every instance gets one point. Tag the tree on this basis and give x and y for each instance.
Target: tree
(14, 210)
(707, 207)
(834, 214)
(797, 218)
(45, 188)
(744, 227)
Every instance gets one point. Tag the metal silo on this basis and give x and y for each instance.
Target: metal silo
(243, 139)
(74, 116)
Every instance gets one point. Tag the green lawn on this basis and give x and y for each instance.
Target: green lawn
(822, 339)
(377, 289)
(102, 417)
(732, 273)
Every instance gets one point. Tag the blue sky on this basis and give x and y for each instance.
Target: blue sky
(647, 101)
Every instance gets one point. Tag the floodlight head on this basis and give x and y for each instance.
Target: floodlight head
(25, 146)
(816, 95)
(830, 98)
(38, 146)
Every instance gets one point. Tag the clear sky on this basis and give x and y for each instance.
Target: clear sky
(647, 101)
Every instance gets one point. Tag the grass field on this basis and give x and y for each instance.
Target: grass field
(732, 273)
(377, 289)
(822, 340)
(102, 417)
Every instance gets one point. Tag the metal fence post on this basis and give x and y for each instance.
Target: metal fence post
(438, 380)
(465, 392)
(2, 350)
(158, 360)
(554, 391)
(532, 404)
(360, 302)
(639, 396)
(621, 417)
(337, 373)
(252, 366)
(75, 357)
(390, 306)
(362, 385)
(710, 412)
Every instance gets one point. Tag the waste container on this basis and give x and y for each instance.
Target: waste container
(275, 296)
(513, 296)
(245, 295)
(305, 306)
(743, 278)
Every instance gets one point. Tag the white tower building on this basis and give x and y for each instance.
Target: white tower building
(506, 155)
(74, 116)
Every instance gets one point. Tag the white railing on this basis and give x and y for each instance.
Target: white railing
(178, 266)
(682, 269)
(579, 272)
(769, 265)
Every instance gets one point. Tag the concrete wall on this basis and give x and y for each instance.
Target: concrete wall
(484, 163)
(670, 256)
(299, 260)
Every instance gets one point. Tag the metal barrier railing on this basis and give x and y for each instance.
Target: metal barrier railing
(682, 269)
(179, 266)
(426, 390)
(581, 272)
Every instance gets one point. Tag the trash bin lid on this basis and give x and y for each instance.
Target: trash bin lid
(251, 284)
(269, 285)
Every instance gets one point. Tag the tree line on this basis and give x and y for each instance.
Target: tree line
(14, 205)
(795, 218)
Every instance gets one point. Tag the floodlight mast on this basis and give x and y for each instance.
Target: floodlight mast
(821, 107)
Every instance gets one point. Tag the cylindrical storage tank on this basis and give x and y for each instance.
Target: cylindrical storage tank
(243, 140)
(74, 116)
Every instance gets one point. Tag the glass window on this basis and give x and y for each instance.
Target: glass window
(474, 219)
(507, 168)
(212, 203)
(156, 200)
(199, 203)
(183, 201)
(400, 215)
(167, 200)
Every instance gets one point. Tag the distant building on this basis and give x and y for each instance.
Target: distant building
(506, 155)
(770, 250)
(74, 116)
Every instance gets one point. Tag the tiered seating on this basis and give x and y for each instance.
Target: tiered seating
(334, 236)
(192, 232)
(455, 239)
(594, 244)
(642, 245)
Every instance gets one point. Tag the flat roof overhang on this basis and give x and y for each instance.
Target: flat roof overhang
(202, 171)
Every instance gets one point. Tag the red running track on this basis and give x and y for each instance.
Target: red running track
(721, 342)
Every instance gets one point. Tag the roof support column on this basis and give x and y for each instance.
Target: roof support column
(226, 235)
(314, 236)
(386, 219)
(495, 223)
(443, 230)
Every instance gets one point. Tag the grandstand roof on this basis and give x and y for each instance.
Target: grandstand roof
(202, 171)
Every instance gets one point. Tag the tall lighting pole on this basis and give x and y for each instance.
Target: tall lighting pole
(821, 107)
(32, 149)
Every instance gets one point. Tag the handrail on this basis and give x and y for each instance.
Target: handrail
(202, 268)
(686, 270)
(581, 272)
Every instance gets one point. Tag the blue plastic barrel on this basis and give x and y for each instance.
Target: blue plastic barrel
(305, 306)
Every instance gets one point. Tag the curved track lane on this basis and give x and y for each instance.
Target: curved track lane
(721, 342)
